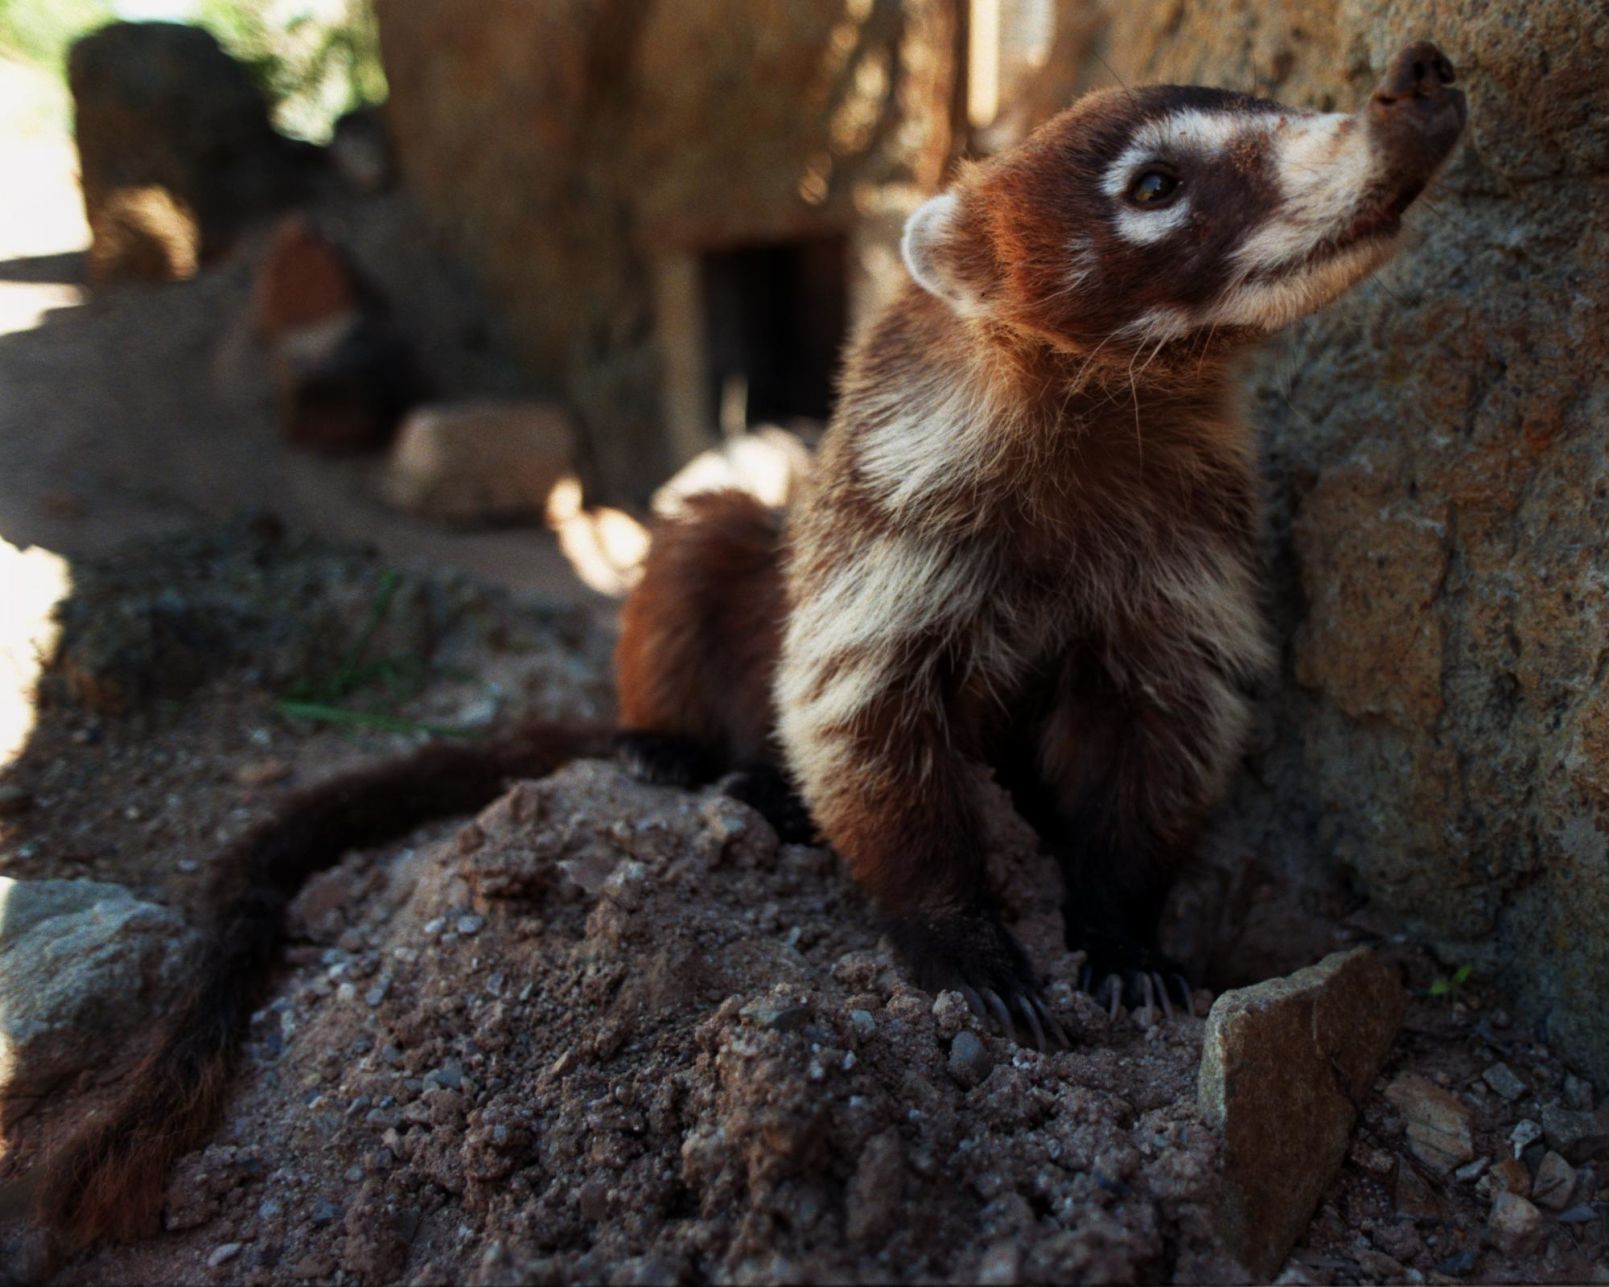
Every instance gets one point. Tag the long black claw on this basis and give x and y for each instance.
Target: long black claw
(1188, 996)
(997, 1007)
(1162, 994)
(1058, 1034)
(1114, 985)
(973, 1000)
(1034, 1026)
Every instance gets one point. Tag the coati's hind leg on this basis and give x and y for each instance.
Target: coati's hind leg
(699, 638)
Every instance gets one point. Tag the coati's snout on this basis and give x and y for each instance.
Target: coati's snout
(1414, 117)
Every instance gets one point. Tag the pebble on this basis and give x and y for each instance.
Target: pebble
(269, 1209)
(1524, 1134)
(1580, 1136)
(863, 1023)
(1471, 1171)
(970, 1061)
(1554, 1182)
(324, 1212)
(779, 1018)
(1515, 1225)
(1578, 1092)
(222, 1254)
(1438, 1122)
(468, 925)
(1505, 1081)
(261, 773)
(1508, 1176)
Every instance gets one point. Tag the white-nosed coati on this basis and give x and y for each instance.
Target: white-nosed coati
(1028, 547)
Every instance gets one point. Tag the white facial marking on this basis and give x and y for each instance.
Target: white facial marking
(1323, 166)
(1142, 227)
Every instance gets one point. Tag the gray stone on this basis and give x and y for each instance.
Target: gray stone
(1282, 1066)
(1578, 1092)
(970, 1060)
(84, 967)
(1515, 1225)
(1554, 1182)
(1505, 1081)
(1438, 1121)
(1580, 1136)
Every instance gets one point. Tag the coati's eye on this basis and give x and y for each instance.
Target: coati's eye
(1152, 187)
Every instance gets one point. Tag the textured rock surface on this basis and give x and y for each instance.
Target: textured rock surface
(1440, 493)
(83, 966)
(648, 128)
(161, 104)
(1284, 1066)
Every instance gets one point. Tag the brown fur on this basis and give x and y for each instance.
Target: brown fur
(699, 638)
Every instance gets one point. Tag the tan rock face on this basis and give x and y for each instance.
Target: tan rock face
(566, 148)
(1438, 1121)
(478, 462)
(1439, 498)
(1283, 1066)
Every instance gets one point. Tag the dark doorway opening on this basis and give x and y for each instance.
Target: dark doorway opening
(775, 316)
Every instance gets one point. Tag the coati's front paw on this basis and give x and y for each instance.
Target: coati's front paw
(664, 759)
(767, 790)
(975, 955)
(1122, 971)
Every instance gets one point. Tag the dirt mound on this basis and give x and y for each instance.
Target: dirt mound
(612, 1032)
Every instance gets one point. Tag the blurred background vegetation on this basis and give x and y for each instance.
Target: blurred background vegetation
(315, 59)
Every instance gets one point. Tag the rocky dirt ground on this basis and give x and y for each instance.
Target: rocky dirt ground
(609, 1032)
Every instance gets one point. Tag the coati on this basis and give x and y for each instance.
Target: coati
(1027, 548)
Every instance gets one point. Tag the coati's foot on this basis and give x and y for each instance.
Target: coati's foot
(664, 759)
(1122, 971)
(766, 789)
(975, 955)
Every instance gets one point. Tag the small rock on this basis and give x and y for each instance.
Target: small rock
(1508, 1176)
(470, 925)
(1515, 1225)
(261, 773)
(1505, 1081)
(1580, 1136)
(970, 1061)
(14, 800)
(780, 1018)
(1282, 1065)
(1472, 1171)
(1578, 1092)
(84, 966)
(1554, 1182)
(593, 1200)
(1438, 1121)
(1413, 1197)
(1524, 1134)
(863, 1023)
(222, 1254)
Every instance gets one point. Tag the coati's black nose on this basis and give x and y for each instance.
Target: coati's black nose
(1419, 71)
(1415, 114)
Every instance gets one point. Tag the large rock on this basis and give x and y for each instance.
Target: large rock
(160, 104)
(1284, 1066)
(1440, 494)
(84, 967)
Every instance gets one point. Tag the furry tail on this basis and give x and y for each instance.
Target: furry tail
(108, 1181)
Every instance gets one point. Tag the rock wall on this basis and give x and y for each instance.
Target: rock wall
(1436, 448)
(566, 146)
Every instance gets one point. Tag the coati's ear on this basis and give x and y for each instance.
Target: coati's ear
(939, 252)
